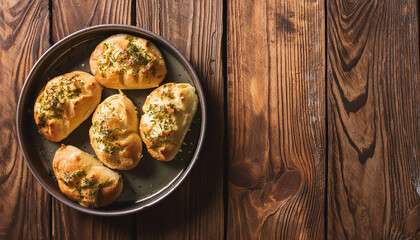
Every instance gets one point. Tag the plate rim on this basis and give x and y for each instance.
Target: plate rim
(176, 181)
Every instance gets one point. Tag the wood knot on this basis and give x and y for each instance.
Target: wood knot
(287, 185)
(283, 24)
(247, 174)
(412, 222)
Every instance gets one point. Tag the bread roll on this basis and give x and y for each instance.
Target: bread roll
(84, 179)
(127, 62)
(114, 133)
(64, 103)
(168, 112)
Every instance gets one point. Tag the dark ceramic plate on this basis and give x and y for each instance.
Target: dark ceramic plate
(151, 180)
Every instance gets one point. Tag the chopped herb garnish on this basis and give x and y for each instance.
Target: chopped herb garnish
(162, 120)
(52, 100)
(131, 39)
(154, 70)
(106, 139)
(86, 183)
(137, 55)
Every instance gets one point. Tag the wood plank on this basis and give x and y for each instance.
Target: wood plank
(195, 209)
(373, 125)
(71, 16)
(276, 119)
(24, 206)
(72, 224)
(68, 17)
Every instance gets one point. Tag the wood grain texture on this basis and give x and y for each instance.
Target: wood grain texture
(276, 119)
(24, 205)
(373, 106)
(68, 17)
(195, 209)
(72, 224)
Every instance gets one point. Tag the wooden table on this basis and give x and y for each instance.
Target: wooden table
(314, 128)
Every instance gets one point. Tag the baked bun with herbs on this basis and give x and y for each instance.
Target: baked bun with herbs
(65, 102)
(114, 133)
(84, 179)
(123, 61)
(168, 113)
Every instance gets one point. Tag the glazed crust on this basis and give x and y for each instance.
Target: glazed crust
(114, 133)
(168, 113)
(126, 62)
(84, 179)
(64, 103)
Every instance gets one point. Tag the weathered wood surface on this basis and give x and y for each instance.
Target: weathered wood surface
(68, 17)
(276, 119)
(295, 91)
(24, 206)
(373, 120)
(68, 223)
(195, 210)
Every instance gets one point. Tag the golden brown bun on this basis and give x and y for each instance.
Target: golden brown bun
(168, 112)
(84, 179)
(64, 103)
(126, 62)
(114, 133)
